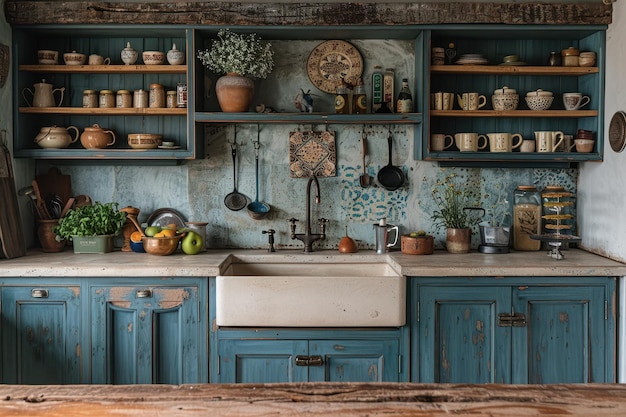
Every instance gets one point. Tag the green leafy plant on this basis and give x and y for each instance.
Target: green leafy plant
(238, 53)
(97, 219)
(451, 200)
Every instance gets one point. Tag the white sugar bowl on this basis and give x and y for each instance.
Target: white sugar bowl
(504, 99)
(175, 56)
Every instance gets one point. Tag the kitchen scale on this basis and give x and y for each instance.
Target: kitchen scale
(494, 239)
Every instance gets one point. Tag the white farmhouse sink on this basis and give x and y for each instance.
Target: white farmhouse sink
(310, 294)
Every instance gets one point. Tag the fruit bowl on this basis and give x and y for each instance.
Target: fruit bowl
(161, 245)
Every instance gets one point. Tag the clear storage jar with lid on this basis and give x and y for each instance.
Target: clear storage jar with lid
(526, 218)
(124, 99)
(157, 96)
(90, 99)
(107, 99)
(570, 57)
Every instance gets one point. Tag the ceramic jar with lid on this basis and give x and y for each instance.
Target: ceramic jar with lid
(129, 55)
(170, 99)
(175, 56)
(107, 99)
(156, 96)
(570, 56)
(505, 98)
(140, 98)
(90, 99)
(526, 218)
(123, 99)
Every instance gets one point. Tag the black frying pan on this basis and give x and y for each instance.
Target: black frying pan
(389, 176)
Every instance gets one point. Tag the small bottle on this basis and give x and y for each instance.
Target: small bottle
(377, 89)
(181, 95)
(388, 92)
(554, 60)
(107, 99)
(404, 104)
(341, 99)
(359, 98)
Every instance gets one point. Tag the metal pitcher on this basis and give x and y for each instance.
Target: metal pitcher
(43, 95)
(382, 237)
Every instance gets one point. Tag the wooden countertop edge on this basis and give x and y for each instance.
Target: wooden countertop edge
(337, 399)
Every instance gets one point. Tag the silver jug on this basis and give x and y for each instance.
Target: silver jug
(43, 95)
(382, 237)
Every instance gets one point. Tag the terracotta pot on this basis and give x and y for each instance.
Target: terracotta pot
(458, 240)
(95, 137)
(47, 237)
(234, 93)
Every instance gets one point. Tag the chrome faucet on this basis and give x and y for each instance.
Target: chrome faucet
(307, 237)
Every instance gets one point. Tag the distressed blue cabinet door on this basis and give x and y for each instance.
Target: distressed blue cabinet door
(355, 360)
(260, 361)
(41, 335)
(143, 335)
(564, 340)
(460, 341)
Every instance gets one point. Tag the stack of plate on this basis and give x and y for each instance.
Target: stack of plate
(472, 59)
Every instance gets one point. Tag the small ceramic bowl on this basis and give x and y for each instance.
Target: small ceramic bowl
(144, 140)
(153, 57)
(539, 102)
(137, 247)
(503, 102)
(160, 245)
(584, 145)
(74, 58)
(47, 57)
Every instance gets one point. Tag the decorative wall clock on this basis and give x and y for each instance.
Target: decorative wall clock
(332, 61)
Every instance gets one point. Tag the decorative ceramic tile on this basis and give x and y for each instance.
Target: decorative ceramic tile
(312, 152)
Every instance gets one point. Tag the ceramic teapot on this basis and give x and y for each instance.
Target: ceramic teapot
(43, 95)
(56, 137)
(95, 137)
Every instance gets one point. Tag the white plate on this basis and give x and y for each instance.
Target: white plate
(169, 147)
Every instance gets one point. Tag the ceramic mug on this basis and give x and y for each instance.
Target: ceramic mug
(528, 145)
(98, 60)
(574, 101)
(503, 142)
(440, 142)
(470, 142)
(47, 57)
(548, 141)
(471, 101)
(442, 101)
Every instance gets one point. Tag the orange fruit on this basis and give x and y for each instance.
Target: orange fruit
(135, 236)
(160, 234)
(168, 232)
(171, 226)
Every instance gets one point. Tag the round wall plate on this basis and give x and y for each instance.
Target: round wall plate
(332, 61)
(617, 131)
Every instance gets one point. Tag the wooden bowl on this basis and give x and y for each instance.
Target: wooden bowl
(160, 245)
(417, 245)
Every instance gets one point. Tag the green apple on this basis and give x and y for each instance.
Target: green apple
(152, 230)
(192, 243)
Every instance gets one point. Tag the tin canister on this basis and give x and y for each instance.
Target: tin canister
(157, 96)
(124, 99)
(90, 99)
(181, 95)
(140, 99)
(107, 99)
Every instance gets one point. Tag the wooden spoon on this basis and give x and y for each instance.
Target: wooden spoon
(41, 205)
(364, 179)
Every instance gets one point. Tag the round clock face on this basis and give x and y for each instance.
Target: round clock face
(332, 61)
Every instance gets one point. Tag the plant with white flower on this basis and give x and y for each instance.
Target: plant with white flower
(243, 54)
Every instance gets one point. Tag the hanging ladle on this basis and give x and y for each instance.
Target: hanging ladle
(258, 210)
(234, 200)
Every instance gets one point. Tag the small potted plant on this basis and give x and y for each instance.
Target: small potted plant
(455, 206)
(241, 57)
(92, 228)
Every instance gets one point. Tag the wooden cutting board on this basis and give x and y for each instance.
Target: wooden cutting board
(13, 244)
(55, 183)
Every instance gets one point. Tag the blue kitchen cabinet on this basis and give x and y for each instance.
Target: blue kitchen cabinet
(149, 332)
(531, 330)
(41, 330)
(254, 356)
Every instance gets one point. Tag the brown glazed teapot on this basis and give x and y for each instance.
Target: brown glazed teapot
(95, 137)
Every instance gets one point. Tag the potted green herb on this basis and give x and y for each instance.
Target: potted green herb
(241, 57)
(92, 228)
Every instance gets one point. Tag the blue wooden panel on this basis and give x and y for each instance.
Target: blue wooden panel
(460, 341)
(41, 336)
(565, 338)
(260, 361)
(355, 360)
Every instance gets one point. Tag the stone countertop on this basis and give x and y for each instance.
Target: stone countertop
(67, 264)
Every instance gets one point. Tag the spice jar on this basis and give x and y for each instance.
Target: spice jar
(570, 57)
(170, 100)
(526, 218)
(124, 99)
(90, 99)
(107, 99)
(157, 96)
(140, 99)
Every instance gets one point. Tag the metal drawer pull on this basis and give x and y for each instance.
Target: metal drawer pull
(39, 293)
(144, 293)
(315, 360)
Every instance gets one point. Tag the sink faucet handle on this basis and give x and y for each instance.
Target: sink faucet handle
(322, 223)
(270, 239)
(292, 226)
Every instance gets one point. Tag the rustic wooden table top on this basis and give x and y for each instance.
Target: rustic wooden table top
(314, 399)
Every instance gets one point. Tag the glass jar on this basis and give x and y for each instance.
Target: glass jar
(526, 218)
(124, 99)
(107, 99)
(170, 100)
(157, 96)
(140, 99)
(90, 99)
